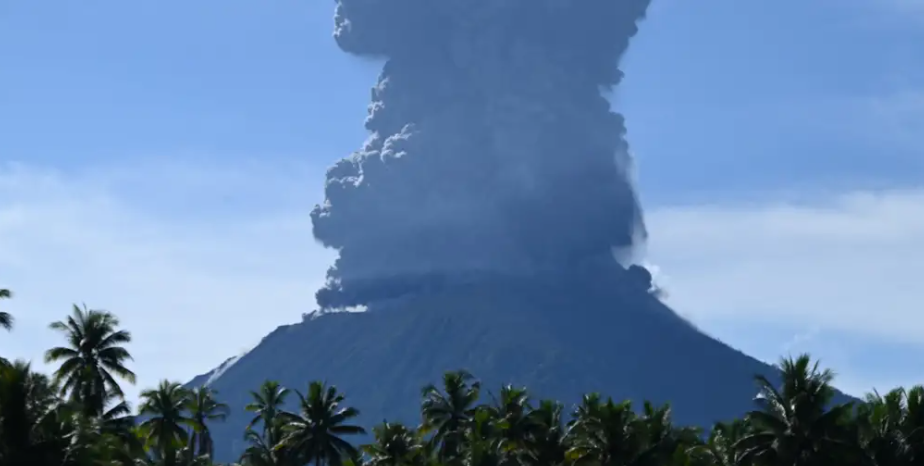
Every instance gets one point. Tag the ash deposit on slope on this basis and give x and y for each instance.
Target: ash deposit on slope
(492, 150)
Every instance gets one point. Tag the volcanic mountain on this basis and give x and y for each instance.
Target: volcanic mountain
(560, 336)
(482, 226)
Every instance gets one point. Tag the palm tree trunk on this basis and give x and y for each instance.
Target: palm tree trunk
(169, 456)
(193, 442)
(205, 443)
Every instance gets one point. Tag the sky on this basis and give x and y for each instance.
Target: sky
(159, 160)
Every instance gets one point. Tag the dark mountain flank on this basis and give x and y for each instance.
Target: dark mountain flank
(561, 336)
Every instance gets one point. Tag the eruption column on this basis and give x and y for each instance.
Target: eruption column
(492, 149)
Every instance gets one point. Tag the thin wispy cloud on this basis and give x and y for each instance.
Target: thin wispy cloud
(851, 262)
(838, 273)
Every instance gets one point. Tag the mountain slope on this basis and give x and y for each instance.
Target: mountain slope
(559, 336)
(208, 377)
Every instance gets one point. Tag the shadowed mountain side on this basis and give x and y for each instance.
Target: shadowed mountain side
(559, 337)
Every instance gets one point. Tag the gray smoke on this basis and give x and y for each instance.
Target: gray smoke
(492, 150)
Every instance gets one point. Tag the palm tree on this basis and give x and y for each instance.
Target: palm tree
(182, 457)
(166, 423)
(719, 447)
(913, 422)
(315, 433)
(117, 424)
(447, 414)
(547, 444)
(94, 353)
(794, 426)
(482, 443)
(604, 433)
(6, 320)
(259, 452)
(879, 424)
(27, 412)
(267, 403)
(891, 427)
(395, 445)
(110, 436)
(662, 442)
(512, 411)
(203, 409)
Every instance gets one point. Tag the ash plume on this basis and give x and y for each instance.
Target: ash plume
(492, 150)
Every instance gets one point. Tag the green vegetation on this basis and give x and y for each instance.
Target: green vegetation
(79, 417)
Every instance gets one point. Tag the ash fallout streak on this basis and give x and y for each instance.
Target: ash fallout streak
(492, 150)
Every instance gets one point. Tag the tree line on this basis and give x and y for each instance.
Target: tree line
(78, 416)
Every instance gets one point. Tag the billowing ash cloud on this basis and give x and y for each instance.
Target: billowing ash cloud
(492, 149)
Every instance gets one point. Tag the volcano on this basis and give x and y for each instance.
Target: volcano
(560, 336)
(483, 224)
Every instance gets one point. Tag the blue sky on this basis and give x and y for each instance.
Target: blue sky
(159, 160)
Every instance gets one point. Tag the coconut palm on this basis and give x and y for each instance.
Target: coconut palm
(547, 445)
(182, 457)
(515, 425)
(394, 445)
(447, 414)
(117, 426)
(314, 434)
(267, 403)
(6, 320)
(913, 422)
(204, 409)
(482, 443)
(109, 438)
(891, 427)
(663, 442)
(27, 406)
(880, 429)
(795, 425)
(259, 452)
(719, 447)
(93, 355)
(604, 433)
(164, 429)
